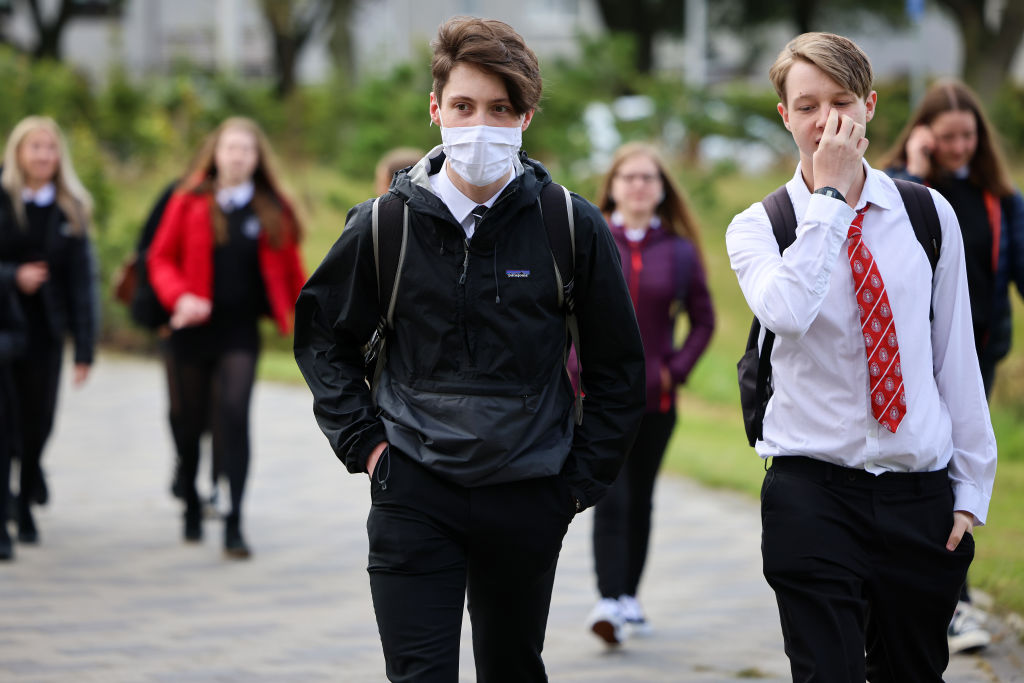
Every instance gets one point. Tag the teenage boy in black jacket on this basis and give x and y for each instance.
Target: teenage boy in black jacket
(476, 467)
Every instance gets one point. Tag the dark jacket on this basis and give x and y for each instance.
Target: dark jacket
(474, 386)
(12, 325)
(665, 276)
(68, 297)
(993, 332)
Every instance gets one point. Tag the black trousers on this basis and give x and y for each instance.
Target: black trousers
(859, 565)
(622, 519)
(36, 381)
(433, 544)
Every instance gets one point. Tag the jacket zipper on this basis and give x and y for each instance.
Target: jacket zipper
(465, 303)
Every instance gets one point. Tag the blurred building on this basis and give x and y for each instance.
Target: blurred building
(150, 36)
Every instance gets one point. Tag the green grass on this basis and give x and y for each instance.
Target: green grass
(709, 444)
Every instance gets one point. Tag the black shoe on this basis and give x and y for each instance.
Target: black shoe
(234, 545)
(193, 524)
(27, 532)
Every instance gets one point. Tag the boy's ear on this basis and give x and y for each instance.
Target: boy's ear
(869, 105)
(784, 113)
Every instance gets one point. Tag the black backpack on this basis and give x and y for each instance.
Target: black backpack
(145, 308)
(754, 369)
(390, 228)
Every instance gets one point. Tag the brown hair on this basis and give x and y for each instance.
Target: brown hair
(72, 197)
(392, 162)
(838, 57)
(987, 168)
(673, 210)
(269, 201)
(494, 47)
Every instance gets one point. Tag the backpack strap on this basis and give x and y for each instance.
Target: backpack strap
(925, 220)
(390, 234)
(556, 209)
(923, 217)
(782, 217)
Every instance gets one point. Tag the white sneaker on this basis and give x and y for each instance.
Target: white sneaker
(633, 613)
(607, 622)
(965, 632)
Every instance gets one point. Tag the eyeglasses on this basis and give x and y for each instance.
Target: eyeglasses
(645, 178)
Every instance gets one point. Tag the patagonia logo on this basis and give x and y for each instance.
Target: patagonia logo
(517, 273)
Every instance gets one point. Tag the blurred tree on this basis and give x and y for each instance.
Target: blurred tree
(50, 27)
(805, 15)
(293, 22)
(643, 19)
(991, 33)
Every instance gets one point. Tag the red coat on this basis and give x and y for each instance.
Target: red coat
(180, 259)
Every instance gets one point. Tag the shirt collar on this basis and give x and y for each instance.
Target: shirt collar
(878, 189)
(236, 196)
(44, 196)
(459, 204)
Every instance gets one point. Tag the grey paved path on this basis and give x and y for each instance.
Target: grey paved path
(112, 594)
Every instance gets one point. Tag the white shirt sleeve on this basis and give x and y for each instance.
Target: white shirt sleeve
(972, 466)
(786, 291)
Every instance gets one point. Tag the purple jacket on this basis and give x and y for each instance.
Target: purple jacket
(661, 270)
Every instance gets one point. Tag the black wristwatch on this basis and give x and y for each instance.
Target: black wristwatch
(831, 192)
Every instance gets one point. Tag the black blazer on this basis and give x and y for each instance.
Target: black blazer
(69, 296)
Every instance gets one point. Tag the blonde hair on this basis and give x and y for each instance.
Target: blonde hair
(838, 57)
(673, 210)
(269, 201)
(392, 162)
(72, 197)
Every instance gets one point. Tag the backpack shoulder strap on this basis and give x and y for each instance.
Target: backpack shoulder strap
(390, 230)
(390, 226)
(780, 212)
(782, 217)
(923, 217)
(560, 225)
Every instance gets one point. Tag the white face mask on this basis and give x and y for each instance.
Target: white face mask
(481, 155)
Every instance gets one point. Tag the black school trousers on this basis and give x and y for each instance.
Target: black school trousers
(434, 544)
(859, 566)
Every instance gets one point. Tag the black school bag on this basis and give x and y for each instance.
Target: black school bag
(145, 308)
(754, 369)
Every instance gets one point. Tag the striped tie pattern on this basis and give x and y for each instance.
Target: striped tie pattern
(885, 374)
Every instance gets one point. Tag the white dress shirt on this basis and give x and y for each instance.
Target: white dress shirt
(459, 204)
(820, 407)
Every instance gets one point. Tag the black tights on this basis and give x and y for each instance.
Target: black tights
(216, 391)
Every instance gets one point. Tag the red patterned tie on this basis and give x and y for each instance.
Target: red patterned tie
(888, 398)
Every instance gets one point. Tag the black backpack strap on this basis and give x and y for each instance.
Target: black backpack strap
(780, 212)
(923, 217)
(782, 217)
(390, 231)
(560, 225)
(925, 220)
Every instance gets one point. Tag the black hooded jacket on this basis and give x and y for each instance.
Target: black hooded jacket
(474, 385)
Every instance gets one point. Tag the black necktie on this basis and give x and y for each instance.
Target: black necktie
(478, 215)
